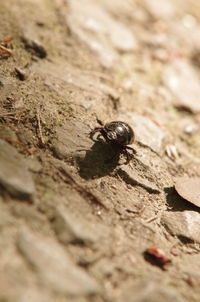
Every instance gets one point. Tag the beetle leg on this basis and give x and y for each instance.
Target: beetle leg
(95, 130)
(130, 148)
(128, 155)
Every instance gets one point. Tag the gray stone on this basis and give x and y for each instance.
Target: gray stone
(54, 266)
(14, 175)
(185, 224)
(133, 177)
(73, 228)
(151, 292)
(189, 189)
(152, 167)
(72, 140)
(176, 77)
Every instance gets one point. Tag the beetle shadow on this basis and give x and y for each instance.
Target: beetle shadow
(99, 161)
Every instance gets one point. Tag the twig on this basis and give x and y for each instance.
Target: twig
(40, 127)
(4, 49)
(151, 219)
(6, 40)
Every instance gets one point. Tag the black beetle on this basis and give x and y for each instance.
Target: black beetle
(119, 134)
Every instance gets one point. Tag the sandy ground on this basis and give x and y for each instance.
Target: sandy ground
(74, 224)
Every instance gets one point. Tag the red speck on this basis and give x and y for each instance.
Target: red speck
(158, 255)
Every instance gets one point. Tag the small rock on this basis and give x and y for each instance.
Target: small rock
(183, 82)
(189, 189)
(191, 128)
(54, 266)
(33, 44)
(163, 9)
(133, 177)
(151, 292)
(14, 175)
(185, 224)
(21, 74)
(172, 152)
(129, 40)
(158, 255)
(73, 228)
(189, 21)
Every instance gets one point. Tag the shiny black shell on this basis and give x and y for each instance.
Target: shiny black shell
(119, 132)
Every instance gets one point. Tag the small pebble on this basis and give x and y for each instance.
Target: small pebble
(21, 74)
